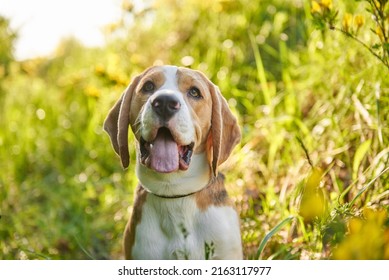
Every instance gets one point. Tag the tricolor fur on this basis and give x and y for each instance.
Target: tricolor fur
(184, 130)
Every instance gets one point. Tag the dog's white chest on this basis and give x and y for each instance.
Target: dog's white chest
(177, 229)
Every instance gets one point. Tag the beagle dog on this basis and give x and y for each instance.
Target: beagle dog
(184, 130)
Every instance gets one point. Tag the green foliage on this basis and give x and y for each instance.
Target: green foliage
(7, 38)
(308, 103)
(270, 234)
(325, 16)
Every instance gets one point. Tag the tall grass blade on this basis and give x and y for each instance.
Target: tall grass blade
(290, 101)
(39, 255)
(378, 105)
(276, 229)
(368, 186)
(83, 249)
(359, 155)
(260, 71)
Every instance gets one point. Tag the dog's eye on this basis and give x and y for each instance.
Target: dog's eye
(195, 93)
(148, 87)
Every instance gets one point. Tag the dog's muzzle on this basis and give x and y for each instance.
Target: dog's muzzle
(164, 154)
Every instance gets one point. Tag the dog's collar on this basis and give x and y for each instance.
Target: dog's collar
(173, 196)
(181, 195)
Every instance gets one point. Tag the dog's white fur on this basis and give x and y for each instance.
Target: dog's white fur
(166, 226)
(179, 227)
(178, 183)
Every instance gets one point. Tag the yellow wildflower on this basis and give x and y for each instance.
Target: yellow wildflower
(379, 217)
(355, 225)
(359, 21)
(379, 32)
(127, 6)
(99, 69)
(326, 4)
(356, 245)
(312, 201)
(315, 7)
(92, 91)
(347, 21)
(386, 245)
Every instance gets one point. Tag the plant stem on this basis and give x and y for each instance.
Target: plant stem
(386, 63)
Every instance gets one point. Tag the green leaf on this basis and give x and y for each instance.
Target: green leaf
(368, 186)
(359, 155)
(267, 93)
(276, 229)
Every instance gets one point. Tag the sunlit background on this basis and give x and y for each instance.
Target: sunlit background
(41, 24)
(310, 178)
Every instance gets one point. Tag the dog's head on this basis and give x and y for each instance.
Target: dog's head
(173, 113)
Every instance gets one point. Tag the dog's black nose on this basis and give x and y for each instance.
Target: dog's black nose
(166, 105)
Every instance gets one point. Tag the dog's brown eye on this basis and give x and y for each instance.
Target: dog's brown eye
(148, 87)
(195, 93)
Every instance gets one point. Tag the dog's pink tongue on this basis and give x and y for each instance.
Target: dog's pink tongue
(164, 157)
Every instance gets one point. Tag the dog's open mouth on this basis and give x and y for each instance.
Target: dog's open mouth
(165, 155)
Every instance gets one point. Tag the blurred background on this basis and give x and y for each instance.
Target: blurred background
(308, 81)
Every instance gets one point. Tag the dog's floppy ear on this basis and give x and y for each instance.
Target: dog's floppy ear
(225, 131)
(117, 122)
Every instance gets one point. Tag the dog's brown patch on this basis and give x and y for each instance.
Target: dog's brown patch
(129, 232)
(154, 75)
(214, 194)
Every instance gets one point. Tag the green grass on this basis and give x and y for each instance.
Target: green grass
(304, 101)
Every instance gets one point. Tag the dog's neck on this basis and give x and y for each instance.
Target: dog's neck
(178, 183)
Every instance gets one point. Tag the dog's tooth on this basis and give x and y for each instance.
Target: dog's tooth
(147, 161)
